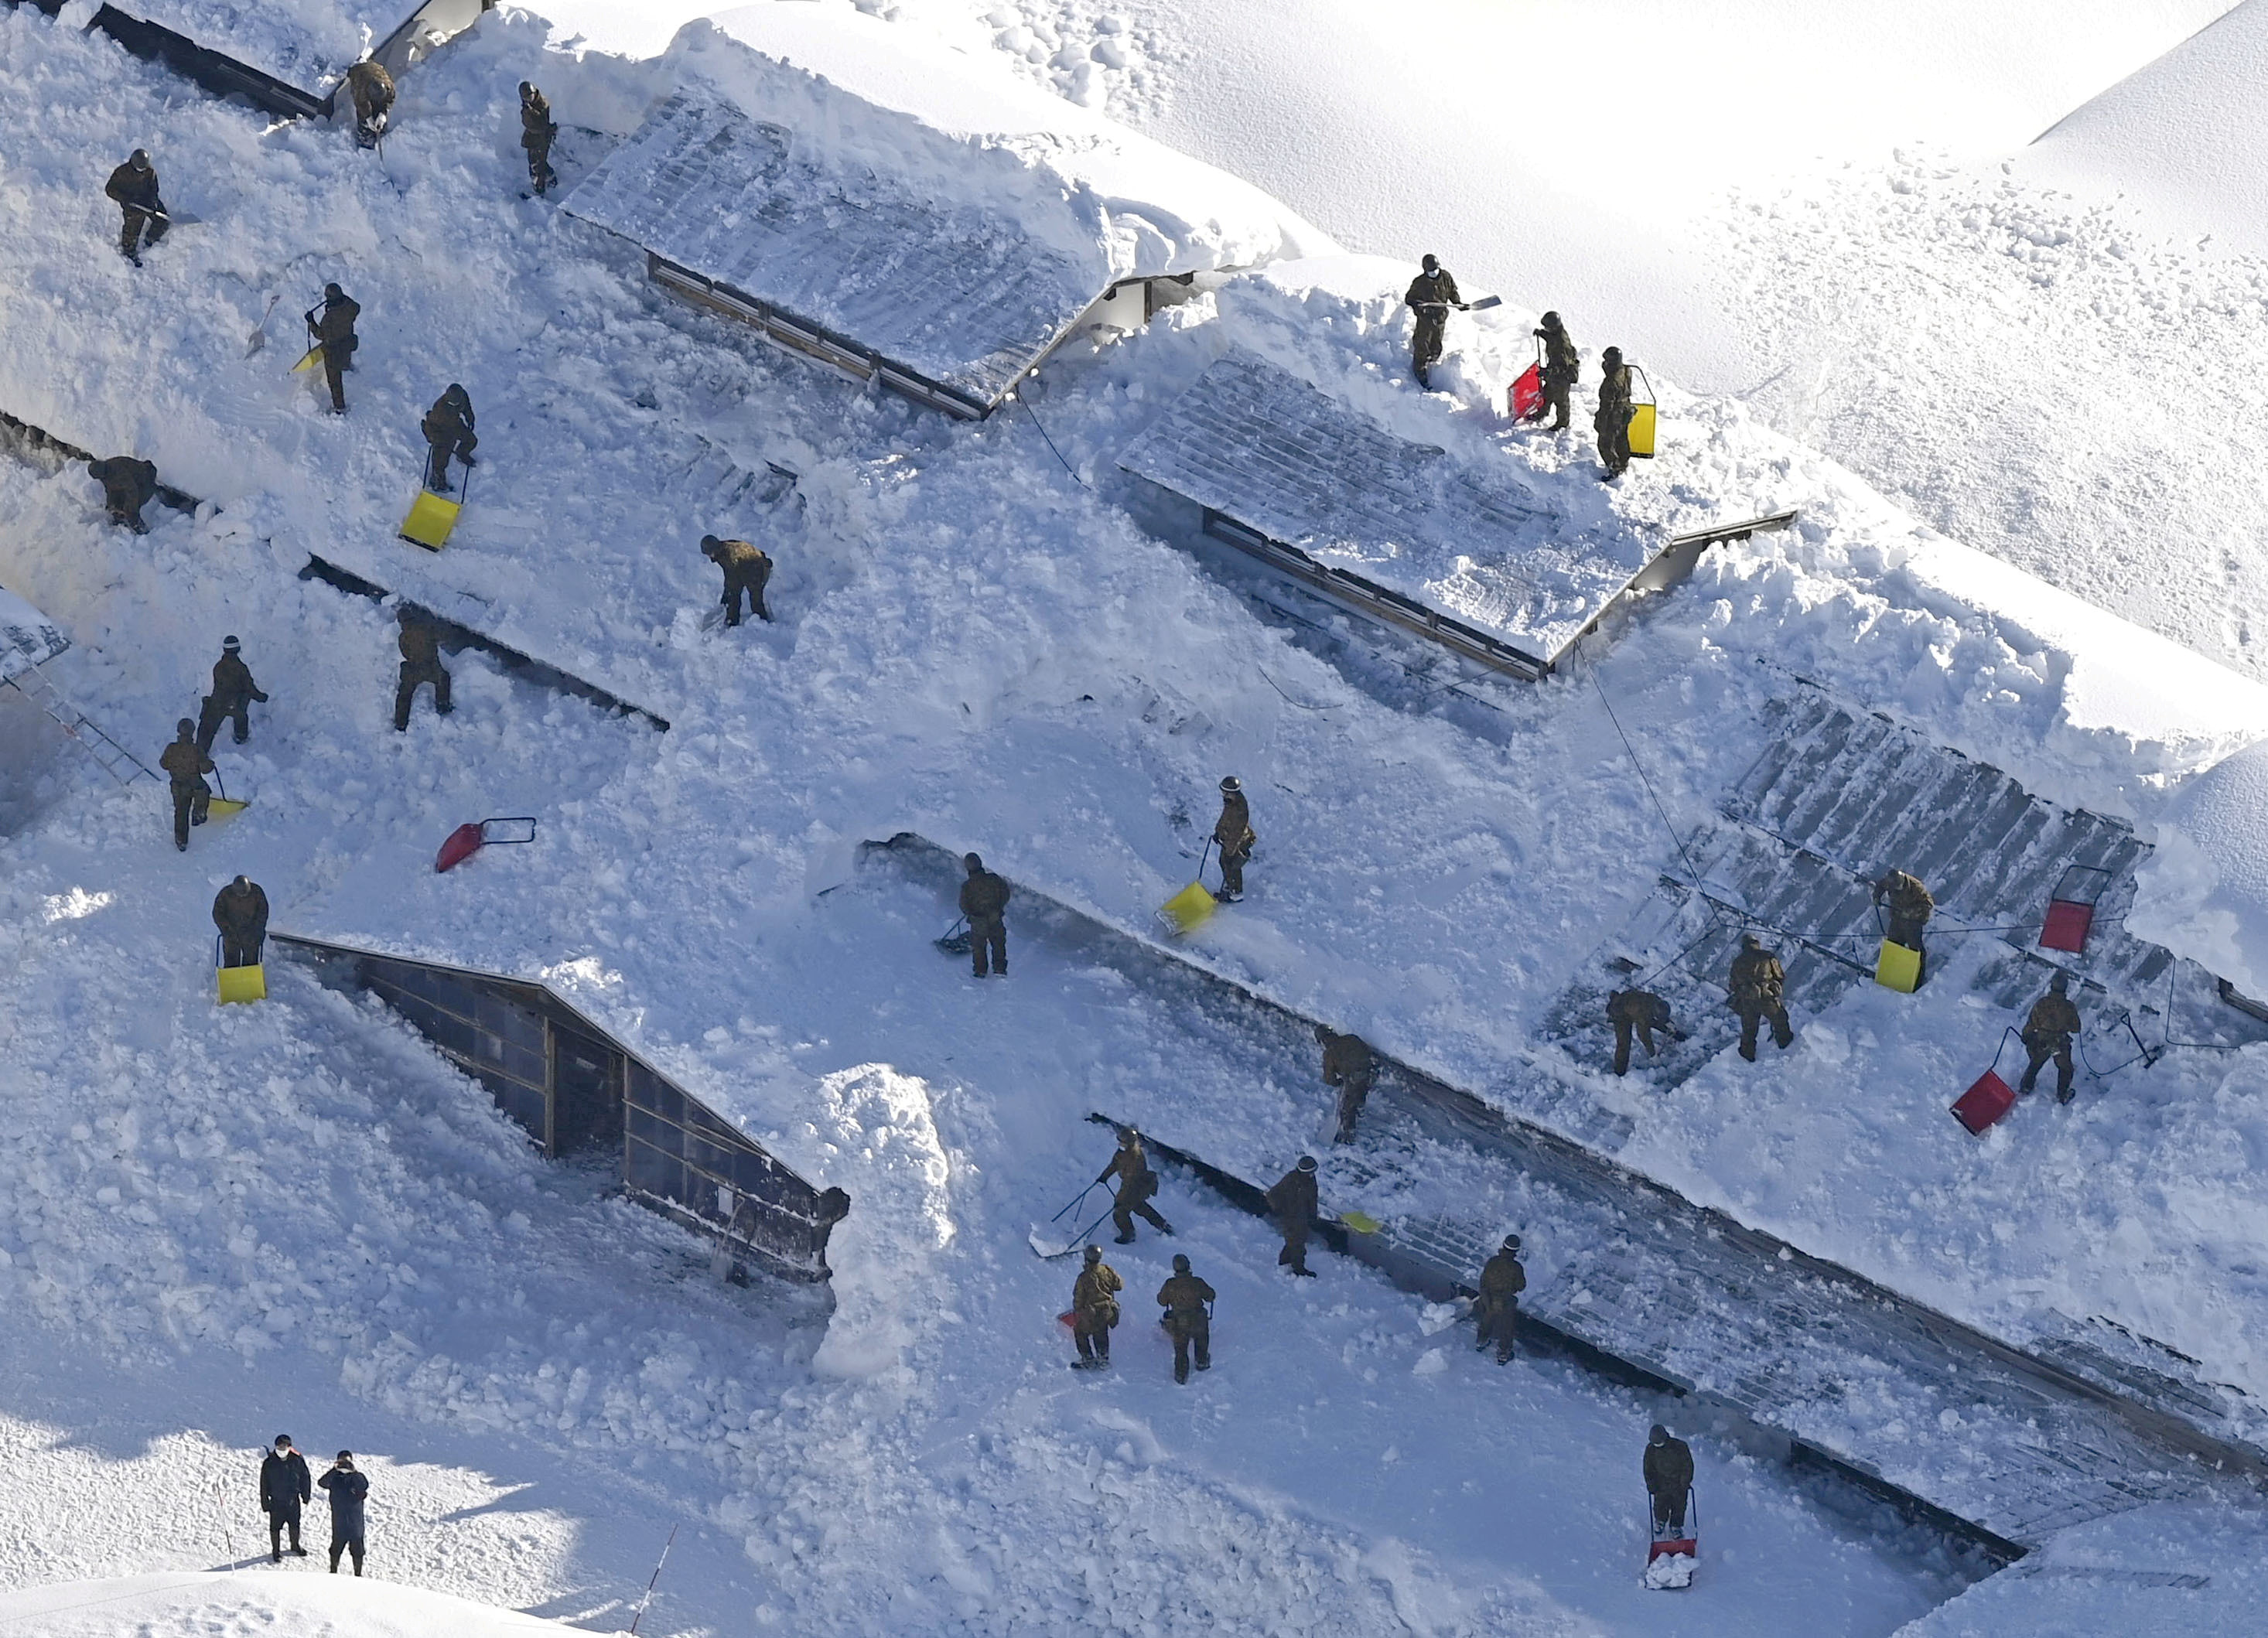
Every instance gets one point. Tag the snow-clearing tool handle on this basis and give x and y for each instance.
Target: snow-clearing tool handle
(1077, 1201)
(491, 838)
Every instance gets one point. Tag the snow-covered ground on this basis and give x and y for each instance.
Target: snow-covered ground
(223, 1224)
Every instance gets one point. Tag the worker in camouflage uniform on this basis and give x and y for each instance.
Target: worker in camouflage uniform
(2047, 1034)
(1350, 1066)
(331, 326)
(128, 486)
(1137, 1183)
(1095, 1311)
(1294, 1203)
(234, 694)
(372, 87)
(133, 187)
(1668, 1469)
(1431, 296)
(1910, 905)
(1756, 984)
(1640, 1012)
(747, 570)
(186, 767)
(1561, 369)
(1188, 1303)
(240, 911)
(420, 664)
(1233, 830)
(448, 428)
(536, 132)
(1495, 1310)
(984, 901)
(1611, 420)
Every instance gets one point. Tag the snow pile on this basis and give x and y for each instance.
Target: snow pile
(2205, 892)
(886, 106)
(2185, 139)
(208, 1605)
(306, 43)
(879, 1145)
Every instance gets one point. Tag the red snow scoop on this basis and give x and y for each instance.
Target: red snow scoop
(1988, 1096)
(467, 839)
(1069, 1320)
(1670, 1561)
(2070, 908)
(1527, 395)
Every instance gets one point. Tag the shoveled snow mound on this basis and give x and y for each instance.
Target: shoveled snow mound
(207, 1605)
(2186, 140)
(2205, 892)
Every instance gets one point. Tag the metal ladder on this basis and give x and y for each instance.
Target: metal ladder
(113, 758)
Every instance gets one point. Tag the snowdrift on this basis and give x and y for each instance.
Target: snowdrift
(193, 1605)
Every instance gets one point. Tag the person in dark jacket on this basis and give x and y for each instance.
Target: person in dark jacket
(133, 187)
(186, 767)
(1611, 420)
(332, 327)
(748, 570)
(283, 1488)
(1562, 367)
(420, 664)
(1188, 1303)
(1495, 1310)
(1293, 1201)
(346, 1489)
(1349, 1066)
(448, 428)
(1431, 296)
(1233, 830)
(984, 901)
(536, 131)
(240, 912)
(1137, 1183)
(234, 694)
(2047, 1034)
(1640, 1012)
(372, 87)
(1095, 1311)
(1668, 1479)
(1755, 989)
(128, 486)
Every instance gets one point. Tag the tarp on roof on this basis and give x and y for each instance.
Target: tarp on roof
(306, 43)
(28, 637)
(1279, 455)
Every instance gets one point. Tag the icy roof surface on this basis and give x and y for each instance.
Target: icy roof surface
(959, 296)
(1272, 451)
(26, 636)
(306, 43)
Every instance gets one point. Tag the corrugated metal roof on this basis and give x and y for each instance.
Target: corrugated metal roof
(28, 637)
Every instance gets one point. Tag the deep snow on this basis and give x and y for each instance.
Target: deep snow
(220, 1214)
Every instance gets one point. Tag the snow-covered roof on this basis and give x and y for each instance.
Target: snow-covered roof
(28, 637)
(919, 203)
(1472, 540)
(309, 44)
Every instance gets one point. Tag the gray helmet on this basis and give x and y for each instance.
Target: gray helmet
(2059, 983)
(139, 158)
(974, 863)
(230, 646)
(334, 292)
(1128, 1137)
(1230, 785)
(1511, 1242)
(1430, 263)
(457, 388)
(1615, 353)
(185, 729)
(1181, 1262)
(1550, 320)
(710, 543)
(527, 88)
(242, 881)
(1307, 1163)
(1094, 1253)
(1658, 1434)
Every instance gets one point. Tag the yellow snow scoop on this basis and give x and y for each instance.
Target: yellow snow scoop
(432, 518)
(1360, 1221)
(312, 359)
(1190, 908)
(1642, 420)
(224, 805)
(240, 983)
(1898, 968)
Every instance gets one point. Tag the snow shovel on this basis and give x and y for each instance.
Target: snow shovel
(432, 518)
(1193, 906)
(224, 805)
(2070, 908)
(1051, 1253)
(1898, 968)
(1670, 1559)
(257, 338)
(467, 839)
(240, 983)
(311, 359)
(1485, 304)
(956, 939)
(1525, 399)
(1988, 1096)
(1642, 420)
(1360, 1221)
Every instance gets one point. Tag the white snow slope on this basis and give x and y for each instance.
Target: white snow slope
(223, 1224)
